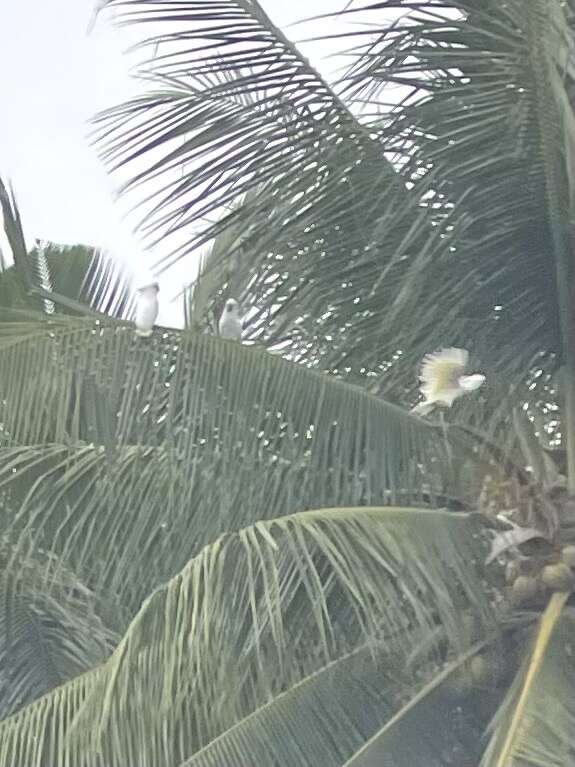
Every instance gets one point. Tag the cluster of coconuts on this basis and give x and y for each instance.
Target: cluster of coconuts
(528, 579)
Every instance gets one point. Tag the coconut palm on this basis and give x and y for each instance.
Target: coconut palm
(215, 554)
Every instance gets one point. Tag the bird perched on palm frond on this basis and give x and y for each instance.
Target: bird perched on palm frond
(147, 309)
(443, 379)
(230, 325)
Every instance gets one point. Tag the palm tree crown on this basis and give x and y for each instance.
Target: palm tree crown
(236, 551)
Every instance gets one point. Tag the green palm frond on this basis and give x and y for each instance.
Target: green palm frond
(22, 279)
(87, 281)
(351, 696)
(536, 721)
(190, 436)
(362, 275)
(489, 131)
(296, 727)
(255, 614)
(416, 734)
(107, 286)
(46, 636)
(230, 119)
(78, 279)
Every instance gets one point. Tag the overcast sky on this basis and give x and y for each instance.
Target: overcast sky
(54, 78)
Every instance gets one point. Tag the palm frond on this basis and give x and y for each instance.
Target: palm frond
(297, 727)
(238, 111)
(536, 721)
(360, 275)
(190, 436)
(107, 286)
(46, 637)
(76, 278)
(14, 232)
(83, 280)
(328, 717)
(416, 734)
(253, 615)
(42, 277)
(488, 132)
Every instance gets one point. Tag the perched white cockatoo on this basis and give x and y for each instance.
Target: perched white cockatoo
(443, 379)
(230, 325)
(147, 309)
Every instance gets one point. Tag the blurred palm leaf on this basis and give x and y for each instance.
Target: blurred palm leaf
(254, 614)
(232, 116)
(14, 288)
(82, 280)
(190, 436)
(350, 697)
(255, 123)
(46, 636)
(535, 722)
(79, 279)
(488, 131)
(361, 275)
(416, 734)
(107, 286)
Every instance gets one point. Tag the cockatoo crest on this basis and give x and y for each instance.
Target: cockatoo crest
(152, 289)
(443, 378)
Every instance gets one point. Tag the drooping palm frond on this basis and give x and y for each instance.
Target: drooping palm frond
(536, 721)
(125, 456)
(416, 734)
(107, 286)
(238, 109)
(46, 637)
(13, 226)
(352, 696)
(488, 132)
(22, 279)
(368, 276)
(253, 616)
(319, 203)
(77, 278)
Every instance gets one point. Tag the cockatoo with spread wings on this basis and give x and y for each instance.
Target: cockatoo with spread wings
(443, 379)
(231, 325)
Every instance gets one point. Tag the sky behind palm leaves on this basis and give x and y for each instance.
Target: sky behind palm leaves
(56, 77)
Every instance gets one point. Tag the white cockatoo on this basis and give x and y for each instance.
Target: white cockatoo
(230, 325)
(443, 379)
(147, 309)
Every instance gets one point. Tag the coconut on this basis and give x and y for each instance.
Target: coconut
(568, 556)
(524, 589)
(557, 577)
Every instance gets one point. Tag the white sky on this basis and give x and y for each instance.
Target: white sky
(55, 77)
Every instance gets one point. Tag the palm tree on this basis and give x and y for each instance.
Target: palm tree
(72, 277)
(223, 554)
